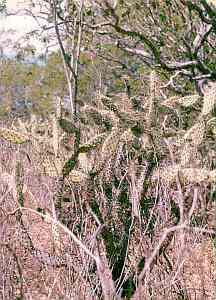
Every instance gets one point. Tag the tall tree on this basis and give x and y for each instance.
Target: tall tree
(176, 37)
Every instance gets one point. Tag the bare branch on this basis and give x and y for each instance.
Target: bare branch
(69, 232)
(201, 37)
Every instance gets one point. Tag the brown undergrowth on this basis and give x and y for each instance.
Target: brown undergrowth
(116, 205)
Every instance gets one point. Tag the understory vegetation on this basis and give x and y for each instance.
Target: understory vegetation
(108, 169)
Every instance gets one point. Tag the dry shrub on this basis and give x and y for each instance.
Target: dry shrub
(112, 215)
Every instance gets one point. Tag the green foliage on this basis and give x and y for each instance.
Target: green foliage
(96, 209)
(67, 58)
(116, 245)
(68, 166)
(3, 6)
(146, 206)
(108, 191)
(128, 288)
(123, 197)
(68, 126)
(93, 143)
(4, 110)
(175, 211)
(137, 130)
(35, 83)
(141, 264)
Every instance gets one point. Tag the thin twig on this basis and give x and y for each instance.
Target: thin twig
(73, 236)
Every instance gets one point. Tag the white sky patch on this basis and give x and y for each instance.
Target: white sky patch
(13, 29)
(16, 4)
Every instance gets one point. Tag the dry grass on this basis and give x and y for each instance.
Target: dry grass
(136, 214)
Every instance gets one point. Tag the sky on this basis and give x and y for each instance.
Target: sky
(18, 26)
(19, 23)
